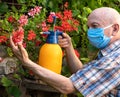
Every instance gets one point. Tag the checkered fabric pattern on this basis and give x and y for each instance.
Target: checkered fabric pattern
(99, 77)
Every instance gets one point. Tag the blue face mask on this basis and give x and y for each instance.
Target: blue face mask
(97, 37)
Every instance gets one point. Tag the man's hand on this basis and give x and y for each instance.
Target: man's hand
(19, 51)
(64, 40)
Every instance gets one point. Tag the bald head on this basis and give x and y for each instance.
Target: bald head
(105, 15)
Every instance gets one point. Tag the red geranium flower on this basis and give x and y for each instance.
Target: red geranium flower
(32, 12)
(18, 35)
(31, 35)
(45, 28)
(11, 19)
(3, 39)
(50, 17)
(66, 5)
(23, 20)
(37, 43)
(77, 53)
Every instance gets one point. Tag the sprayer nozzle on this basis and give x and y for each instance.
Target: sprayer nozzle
(44, 32)
(41, 32)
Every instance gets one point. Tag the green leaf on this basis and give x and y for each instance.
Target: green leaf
(65, 71)
(92, 48)
(99, 2)
(17, 76)
(6, 82)
(9, 52)
(79, 16)
(74, 44)
(14, 9)
(14, 91)
(34, 1)
(88, 10)
(76, 12)
(85, 59)
(85, 27)
(21, 1)
(79, 95)
(3, 7)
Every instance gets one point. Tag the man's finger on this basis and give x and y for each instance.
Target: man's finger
(11, 42)
(22, 50)
(59, 37)
(64, 35)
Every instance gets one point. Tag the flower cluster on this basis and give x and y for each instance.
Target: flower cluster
(65, 22)
(34, 11)
(26, 27)
(18, 35)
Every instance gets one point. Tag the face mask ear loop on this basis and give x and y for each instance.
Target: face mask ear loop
(111, 37)
(107, 26)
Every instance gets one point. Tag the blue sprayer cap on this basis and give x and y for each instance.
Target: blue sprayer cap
(52, 36)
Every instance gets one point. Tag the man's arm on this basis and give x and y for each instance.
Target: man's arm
(73, 61)
(59, 82)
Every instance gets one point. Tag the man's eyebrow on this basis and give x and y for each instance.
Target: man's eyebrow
(94, 23)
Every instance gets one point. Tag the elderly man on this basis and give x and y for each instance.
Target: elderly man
(97, 78)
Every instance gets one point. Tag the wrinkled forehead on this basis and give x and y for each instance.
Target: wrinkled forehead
(98, 18)
(103, 16)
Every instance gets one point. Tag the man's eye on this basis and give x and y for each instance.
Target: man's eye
(94, 26)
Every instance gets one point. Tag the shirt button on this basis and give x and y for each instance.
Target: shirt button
(84, 83)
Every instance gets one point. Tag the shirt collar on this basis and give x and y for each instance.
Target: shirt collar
(110, 48)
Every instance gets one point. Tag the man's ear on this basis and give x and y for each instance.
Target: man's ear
(115, 29)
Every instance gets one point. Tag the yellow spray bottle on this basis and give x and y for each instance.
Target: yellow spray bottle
(50, 55)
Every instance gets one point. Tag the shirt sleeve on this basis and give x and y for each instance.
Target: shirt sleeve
(95, 81)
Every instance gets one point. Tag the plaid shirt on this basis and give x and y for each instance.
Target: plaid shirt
(100, 77)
